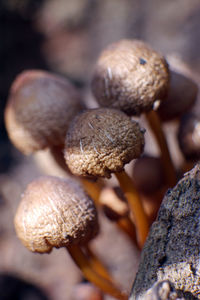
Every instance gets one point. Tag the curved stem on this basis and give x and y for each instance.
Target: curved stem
(136, 206)
(97, 264)
(128, 227)
(124, 223)
(155, 124)
(82, 262)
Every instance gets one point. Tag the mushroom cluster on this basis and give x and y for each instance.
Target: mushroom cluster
(45, 110)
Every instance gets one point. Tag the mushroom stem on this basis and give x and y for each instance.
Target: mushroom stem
(82, 262)
(97, 264)
(155, 124)
(136, 206)
(124, 223)
(93, 189)
(128, 227)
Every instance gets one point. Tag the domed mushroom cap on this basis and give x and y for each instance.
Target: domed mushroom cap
(39, 109)
(189, 136)
(181, 96)
(101, 141)
(55, 212)
(148, 174)
(130, 76)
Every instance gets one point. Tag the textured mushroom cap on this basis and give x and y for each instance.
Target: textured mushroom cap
(101, 141)
(39, 109)
(181, 96)
(130, 76)
(55, 212)
(189, 136)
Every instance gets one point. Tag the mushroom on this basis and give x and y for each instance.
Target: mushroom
(56, 212)
(39, 109)
(181, 97)
(189, 136)
(100, 142)
(149, 179)
(134, 78)
(148, 174)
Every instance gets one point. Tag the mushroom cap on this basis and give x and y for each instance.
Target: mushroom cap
(189, 136)
(101, 141)
(181, 96)
(148, 174)
(130, 76)
(55, 212)
(39, 109)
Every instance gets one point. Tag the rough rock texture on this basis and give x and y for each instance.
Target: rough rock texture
(172, 250)
(55, 212)
(162, 290)
(130, 76)
(39, 110)
(102, 141)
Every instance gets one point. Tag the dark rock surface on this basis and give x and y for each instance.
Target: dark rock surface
(172, 250)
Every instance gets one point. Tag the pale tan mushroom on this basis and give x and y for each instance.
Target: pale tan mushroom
(56, 212)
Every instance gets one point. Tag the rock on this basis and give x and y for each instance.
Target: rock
(172, 250)
(162, 290)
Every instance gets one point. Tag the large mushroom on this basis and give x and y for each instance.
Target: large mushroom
(56, 212)
(39, 109)
(133, 77)
(100, 142)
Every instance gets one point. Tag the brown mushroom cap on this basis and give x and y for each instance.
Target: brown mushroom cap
(181, 96)
(189, 136)
(55, 212)
(130, 76)
(148, 174)
(39, 109)
(101, 141)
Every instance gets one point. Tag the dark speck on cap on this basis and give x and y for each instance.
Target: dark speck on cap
(142, 61)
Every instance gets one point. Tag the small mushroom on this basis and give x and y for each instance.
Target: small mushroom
(56, 212)
(133, 77)
(39, 110)
(149, 179)
(130, 76)
(189, 137)
(100, 142)
(181, 97)
(148, 174)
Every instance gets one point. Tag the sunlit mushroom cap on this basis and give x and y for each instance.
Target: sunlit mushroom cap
(39, 109)
(101, 141)
(55, 212)
(130, 76)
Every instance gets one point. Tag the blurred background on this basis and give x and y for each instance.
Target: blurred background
(66, 37)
